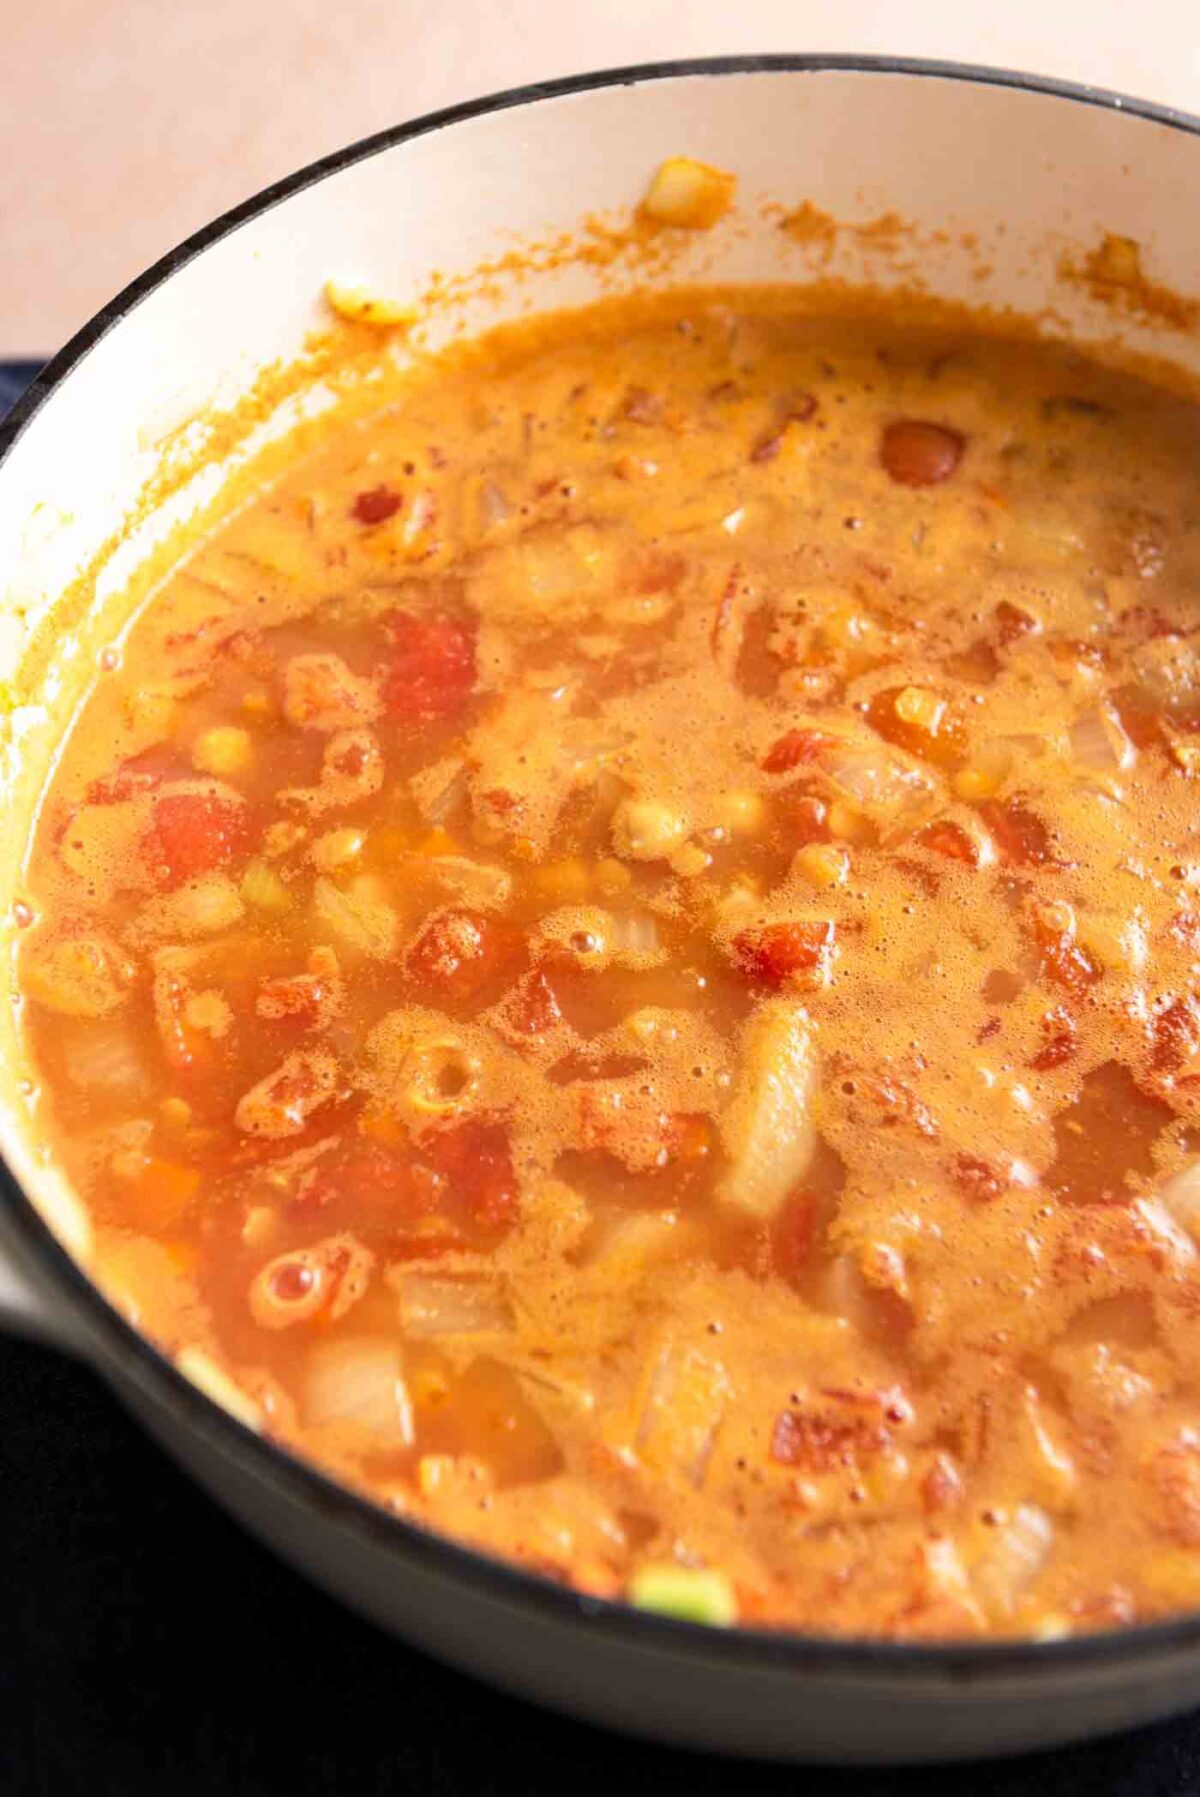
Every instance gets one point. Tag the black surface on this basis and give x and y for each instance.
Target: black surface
(148, 1646)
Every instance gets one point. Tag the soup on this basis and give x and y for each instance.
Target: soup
(616, 962)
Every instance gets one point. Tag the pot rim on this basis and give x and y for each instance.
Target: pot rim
(135, 1358)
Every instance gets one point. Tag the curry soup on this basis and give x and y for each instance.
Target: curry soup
(617, 961)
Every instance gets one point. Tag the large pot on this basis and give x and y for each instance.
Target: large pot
(1030, 168)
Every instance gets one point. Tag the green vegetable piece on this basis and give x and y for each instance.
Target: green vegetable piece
(689, 1595)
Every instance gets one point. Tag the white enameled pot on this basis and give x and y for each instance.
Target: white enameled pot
(1030, 170)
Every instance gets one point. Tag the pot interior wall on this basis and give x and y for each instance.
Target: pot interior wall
(993, 186)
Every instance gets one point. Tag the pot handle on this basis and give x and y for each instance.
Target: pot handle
(26, 1307)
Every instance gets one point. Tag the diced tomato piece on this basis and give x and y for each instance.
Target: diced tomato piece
(1061, 957)
(1012, 623)
(394, 1182)
(918, 720)
(305, 1000)
(531, 1008)
(195, 833)
(820, 1443)
(657, 571)
(475, 1160)
(139, 775)
(1021, 838)
(976, 1178)
(782, 954)
(794, 1234)
(376, 505)
(794, 748)
(942, 1488)
(1060, 1044)
(919, 454)
(431, 669)
(1175, 1034)
(945, 837)
(461, 953)
(805, 817)
(634, 1129)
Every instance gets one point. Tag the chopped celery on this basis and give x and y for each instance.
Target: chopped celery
(688, 1594)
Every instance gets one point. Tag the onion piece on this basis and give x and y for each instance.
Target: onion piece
(106, 1058)
(438, 791)
(682, 1398)
(361, 921)
(432, 1306)
(875, 778)
(768, 1130)
(359, 1380)
(598, 938)
(1099, 743)
(1020, 1548)
(1180, 1198)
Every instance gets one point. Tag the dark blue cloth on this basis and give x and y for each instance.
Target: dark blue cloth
(149, 1648)
(14, 378)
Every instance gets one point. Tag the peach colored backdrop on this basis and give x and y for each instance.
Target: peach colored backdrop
(125, 124)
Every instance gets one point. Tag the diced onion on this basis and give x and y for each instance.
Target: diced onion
(1019, 1551)
(769, 1132)
(431, 1306)
(1098, 742)
(1180, 1198)
(877, 779)
(359, 1380)
(359, 920)
(106, 1058)
(682, 1399)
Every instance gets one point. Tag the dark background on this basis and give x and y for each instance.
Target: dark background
(148, 1646)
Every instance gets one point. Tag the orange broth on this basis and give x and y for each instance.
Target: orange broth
(620, 952)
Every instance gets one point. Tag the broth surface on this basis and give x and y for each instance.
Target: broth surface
(618, 956)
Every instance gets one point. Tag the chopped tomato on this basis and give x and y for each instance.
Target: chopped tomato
(1175, 1034)
(430, 672)
(475, 1160)
(195, 833)
(1021, 838)
(794, 1234)
(531, 1008)
(1012, 623)
(793, 748)
(945, 837)
(783, 954)
(916, 719)
(460, 953)
(817, 1442)
(376, 505)
(1061, 1041)
(1061, 957)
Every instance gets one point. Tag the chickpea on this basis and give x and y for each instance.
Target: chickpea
(647, 830)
